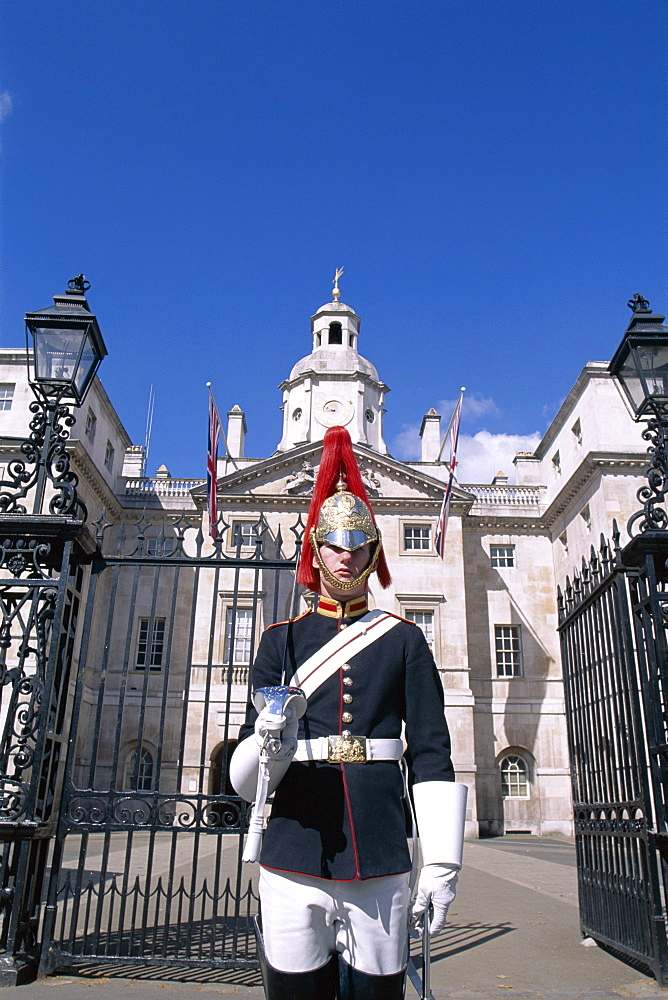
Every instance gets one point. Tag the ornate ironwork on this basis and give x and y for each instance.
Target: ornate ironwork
(170, 630)
(46, 461)
(652, 495)
(639, 304)
(611, 707)
(79, 284)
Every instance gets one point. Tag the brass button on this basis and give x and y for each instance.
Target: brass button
(347, 698)
(346, 717)
(343, 625)
(348, 681)
(346, 666)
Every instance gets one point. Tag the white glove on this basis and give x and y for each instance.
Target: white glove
(277, 740)
(436, 885)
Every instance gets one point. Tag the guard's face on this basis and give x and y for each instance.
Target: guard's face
(345, 566)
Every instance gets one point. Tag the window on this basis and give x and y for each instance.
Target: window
(6, 395)
(508, 651)
(243, 534)
(417, 537)
(556, 463)
(91, 424)
(514, 777)
(150, 644)
(243, 634)
(335, 333)
(425, 621)
(109, 456)
(502, 556)
(159, 546)
(139, 771)
(577, 431)
(585, 514)
(563, 538)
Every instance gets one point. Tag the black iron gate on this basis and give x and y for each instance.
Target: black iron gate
(611, 709)
(146, 865)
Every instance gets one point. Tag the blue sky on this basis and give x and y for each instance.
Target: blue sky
(492, 176)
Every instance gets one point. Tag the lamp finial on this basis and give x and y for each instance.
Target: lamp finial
(639, 304)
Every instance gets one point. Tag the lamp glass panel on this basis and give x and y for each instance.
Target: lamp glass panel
(57, 354)
(87, 365)
(632, 383)
(653, 359)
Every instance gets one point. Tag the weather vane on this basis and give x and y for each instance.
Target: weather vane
(337, 275)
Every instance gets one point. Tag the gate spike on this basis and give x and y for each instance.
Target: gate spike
(199, 540)
(279, 543)
(120, 539)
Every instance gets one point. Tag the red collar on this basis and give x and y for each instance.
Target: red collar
(349, 609)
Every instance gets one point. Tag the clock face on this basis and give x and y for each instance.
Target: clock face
(335, 411)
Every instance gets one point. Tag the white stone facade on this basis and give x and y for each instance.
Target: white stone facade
(488, 608)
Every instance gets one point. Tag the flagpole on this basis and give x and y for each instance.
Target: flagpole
(452, 420)
(222, 429)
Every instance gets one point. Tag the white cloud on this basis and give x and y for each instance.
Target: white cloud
(480, 456)
(407, 444)
(5, 105)
(473, 408)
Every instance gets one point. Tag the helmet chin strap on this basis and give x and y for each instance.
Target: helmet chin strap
(344, 584)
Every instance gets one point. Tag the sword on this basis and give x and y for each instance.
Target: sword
(423, 986)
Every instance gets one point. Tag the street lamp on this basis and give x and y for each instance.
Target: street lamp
(68, 344)
(67, 350)
(640, 364)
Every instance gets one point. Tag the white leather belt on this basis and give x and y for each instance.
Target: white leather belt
(347, 749)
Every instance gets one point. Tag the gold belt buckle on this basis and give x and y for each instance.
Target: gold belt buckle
(347, 749)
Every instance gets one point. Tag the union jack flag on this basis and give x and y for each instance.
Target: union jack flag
(211, 466)
(442, 524)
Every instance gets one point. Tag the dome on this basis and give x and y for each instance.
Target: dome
(334, 359)
(334, 307)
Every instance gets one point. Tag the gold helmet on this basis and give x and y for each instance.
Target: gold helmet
(346, 522)
(340, 515)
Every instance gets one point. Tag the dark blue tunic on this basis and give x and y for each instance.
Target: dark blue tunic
(346, 821)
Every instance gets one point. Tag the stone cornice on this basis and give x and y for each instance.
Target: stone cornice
(286, 460)
(332, 376)
(592, 466)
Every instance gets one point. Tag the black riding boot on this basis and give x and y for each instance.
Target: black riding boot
(356, 985)
(317, 984)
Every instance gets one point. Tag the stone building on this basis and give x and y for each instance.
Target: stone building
(488, 608)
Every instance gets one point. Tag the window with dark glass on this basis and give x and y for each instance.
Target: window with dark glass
(150, 644)
(502, 556)
(139, 770)
(514, 777)
(417, 537)
(508, 651)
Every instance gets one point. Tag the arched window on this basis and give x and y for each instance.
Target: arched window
(335, 333)
(219, 771)
(514, 777)
(139, 770)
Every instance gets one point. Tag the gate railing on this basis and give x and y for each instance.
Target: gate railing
(146, 865)
(610, 685)
(41, 580)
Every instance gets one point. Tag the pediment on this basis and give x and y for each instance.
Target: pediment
(292, 475)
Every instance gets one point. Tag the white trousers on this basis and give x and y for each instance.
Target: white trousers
(305, 920)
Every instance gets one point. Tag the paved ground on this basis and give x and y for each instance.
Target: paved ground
(513, 932)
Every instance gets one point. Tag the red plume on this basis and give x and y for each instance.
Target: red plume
(338, 462)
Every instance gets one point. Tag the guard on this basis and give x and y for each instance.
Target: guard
(345, 702)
